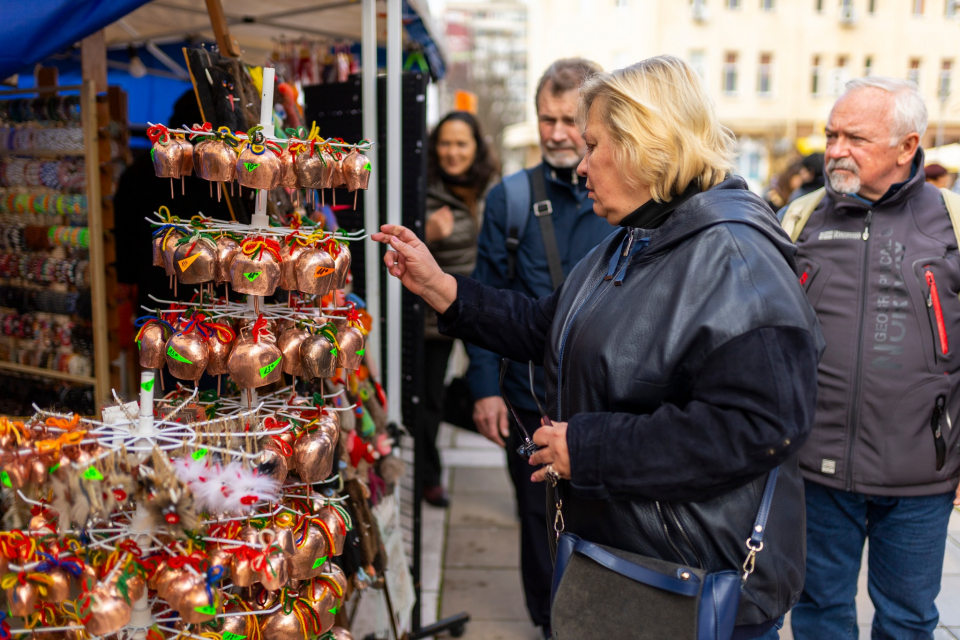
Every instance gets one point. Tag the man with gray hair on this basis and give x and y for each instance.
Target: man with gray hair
(877, 256)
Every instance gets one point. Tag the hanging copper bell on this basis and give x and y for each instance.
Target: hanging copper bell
(258, 167)
(309, 170)
(318, 357)
(167, 156)
(153, 346)
(253, 363)
(356, 169)
(289, 254)
(227, 250)
(218, 353)
(186, 356)
(195, 262)
(252, 276)
(316, 272)
(289, 345)
(343, 261)
(352, 347)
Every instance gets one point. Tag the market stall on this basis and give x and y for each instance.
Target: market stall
(264, 506)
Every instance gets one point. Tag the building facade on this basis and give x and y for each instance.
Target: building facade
(772, 67)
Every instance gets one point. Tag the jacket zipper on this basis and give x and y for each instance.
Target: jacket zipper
(804, 277)
(666, 533)
(939, 409)
(855, 417)
(683, 532)
(566, 332)
(933, 301)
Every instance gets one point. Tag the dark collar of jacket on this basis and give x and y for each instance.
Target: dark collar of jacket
(896, 195)
(695, 210)
(652, 214)
(567, 179)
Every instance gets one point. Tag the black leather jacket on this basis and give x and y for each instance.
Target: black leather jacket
(686, 371)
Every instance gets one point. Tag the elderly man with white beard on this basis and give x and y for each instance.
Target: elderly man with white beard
(877, 257)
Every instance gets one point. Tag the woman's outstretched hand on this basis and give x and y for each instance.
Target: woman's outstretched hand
(412, 263)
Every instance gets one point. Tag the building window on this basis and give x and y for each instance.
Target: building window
(913, 73)
(819, 6)
(815, 81)
(918, 7)
(765, 75)
(698, 62)
(872, 7)
(946, 67)
(733, 4)
(766, 5)
(951, 8)
(730, 73)
(868, 66)
(621, 3)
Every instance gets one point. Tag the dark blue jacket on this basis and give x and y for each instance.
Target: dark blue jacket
(578, 230)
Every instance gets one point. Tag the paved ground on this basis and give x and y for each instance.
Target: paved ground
(471, 557)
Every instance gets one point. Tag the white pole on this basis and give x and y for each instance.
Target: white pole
(148, 381)
(394, 194)
(259, 219)
(371, 199)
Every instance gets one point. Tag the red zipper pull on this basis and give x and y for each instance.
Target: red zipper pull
(934, 301)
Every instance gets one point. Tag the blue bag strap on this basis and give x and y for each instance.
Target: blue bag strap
(516, 188)
(685, 583)
(755, 541)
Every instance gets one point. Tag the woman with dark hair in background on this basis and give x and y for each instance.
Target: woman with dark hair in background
(461, 166)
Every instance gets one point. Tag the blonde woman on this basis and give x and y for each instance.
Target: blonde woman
(681, 354)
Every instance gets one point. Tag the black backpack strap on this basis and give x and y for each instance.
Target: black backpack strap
(543, 210)
(517, 191)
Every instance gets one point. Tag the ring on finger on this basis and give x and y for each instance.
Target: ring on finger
(551, 475)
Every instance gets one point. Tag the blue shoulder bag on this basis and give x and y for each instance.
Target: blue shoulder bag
(602, 593)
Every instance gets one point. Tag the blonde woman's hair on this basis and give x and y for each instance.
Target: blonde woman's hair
(663, 127)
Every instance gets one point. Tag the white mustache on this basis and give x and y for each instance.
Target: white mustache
(846, 164)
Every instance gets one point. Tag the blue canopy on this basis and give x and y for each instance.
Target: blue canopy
(32, 30)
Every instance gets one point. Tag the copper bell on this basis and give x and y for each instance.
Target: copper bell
(356, 169)
(286, 437)
(218, 354)
(288, 171)
(330, 167)
(221, 555)
(227, 249)
(242, 571)
(157, 245)
(316, 272)
(318, 357)
(309, 557)
(168, 253)
(310, 169)
(153, 346)
(218, 162)
(167, 158)
(199, 150)
(343, 266)
(258, 277)
(16, 473)
(313, 452)
(186, 356)
(289, 256)
(186, 161)
(281, 626)
(243, 626)
(196, 606)
(60, 589)
(258, 167)
(352, 347)
(324, 601)
(274, 574)
(21, 599)
(289, 345)
(108, 613)
(335, 525)
(339, 633)
(253, 363)
(270, 463)
(180, 586)
(195, 262)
